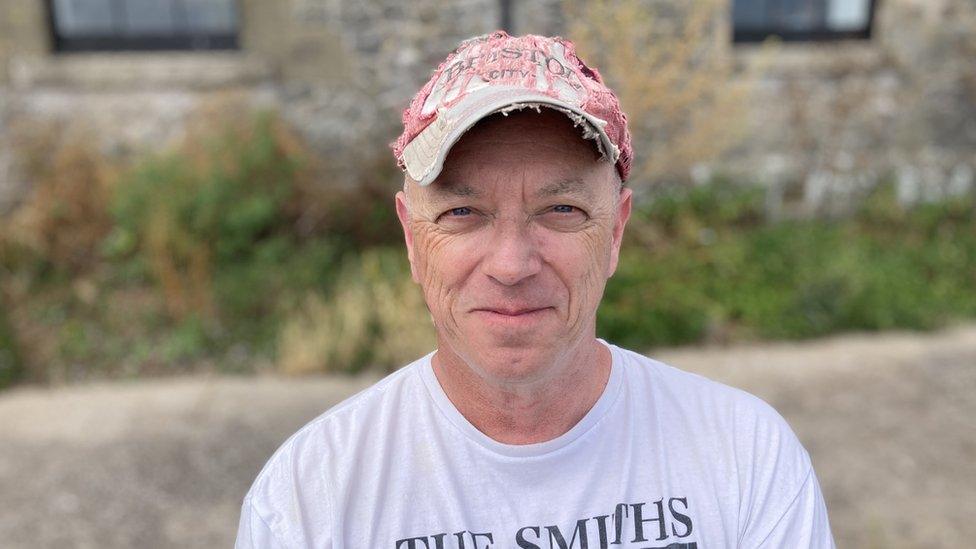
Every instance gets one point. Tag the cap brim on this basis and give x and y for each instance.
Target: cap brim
(424, 156)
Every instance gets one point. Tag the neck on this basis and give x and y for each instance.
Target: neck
(532, 409)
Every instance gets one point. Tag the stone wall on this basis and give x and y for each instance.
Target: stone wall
(826, 121)
(17, 37)
(339, 71)
(386, 50)
(829, 120)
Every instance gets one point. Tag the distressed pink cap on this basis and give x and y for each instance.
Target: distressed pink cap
(500, 73)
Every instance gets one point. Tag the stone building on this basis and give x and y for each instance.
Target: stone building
(858, 91)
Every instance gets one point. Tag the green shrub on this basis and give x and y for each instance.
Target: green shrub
(211, 205)
(201, 252)
(11, 368)
(699, 265)
(226, 253)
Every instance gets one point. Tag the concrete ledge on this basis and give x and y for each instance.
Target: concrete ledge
(130, 70)
(812, 59)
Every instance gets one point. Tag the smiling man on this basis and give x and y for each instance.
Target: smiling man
(522, 429)
(512, 246)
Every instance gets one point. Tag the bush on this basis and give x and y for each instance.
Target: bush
(225, 253)
(11, 368)
(194, 257)
(65, 217)
(217, 202)
(700, 266)
(191, 258)
(374, 318)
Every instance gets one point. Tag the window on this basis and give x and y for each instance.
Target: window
(106, 25)
(797, 20)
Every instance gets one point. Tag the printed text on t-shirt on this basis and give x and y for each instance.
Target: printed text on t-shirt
(629, 523)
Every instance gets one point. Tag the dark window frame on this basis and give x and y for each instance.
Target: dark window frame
(118, 42)
(817, 34)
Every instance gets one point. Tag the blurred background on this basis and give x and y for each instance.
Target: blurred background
(199, 252)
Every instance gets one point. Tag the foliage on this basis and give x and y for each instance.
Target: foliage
(215, 203)
(199, 252)
(202, 253)
(701, 265)
(358, 211)
(228, 253)
(64, 218)
(375, 317)
(11, 368)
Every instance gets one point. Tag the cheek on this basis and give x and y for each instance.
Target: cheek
(580, 258)
(443, 262)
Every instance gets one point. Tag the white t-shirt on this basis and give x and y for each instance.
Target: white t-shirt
(664, 459)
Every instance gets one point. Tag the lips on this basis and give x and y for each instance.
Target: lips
(511, 311)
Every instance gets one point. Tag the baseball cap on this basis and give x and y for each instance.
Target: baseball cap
(500, 73)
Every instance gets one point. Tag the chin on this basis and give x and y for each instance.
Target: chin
(509, 360)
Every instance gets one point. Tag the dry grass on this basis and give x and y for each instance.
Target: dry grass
(183, 266)
(376, 318)
(66, 215)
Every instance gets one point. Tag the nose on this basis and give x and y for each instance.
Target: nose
(513, 254)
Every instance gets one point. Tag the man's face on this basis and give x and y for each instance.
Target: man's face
(514, 241)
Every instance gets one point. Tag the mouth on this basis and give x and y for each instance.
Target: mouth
(512, 312)
(522, 318)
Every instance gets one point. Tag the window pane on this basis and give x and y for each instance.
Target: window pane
(211, 15)
(144, 25)
(749, 14)
(799, 14)
(848, 15)
(149, 17)
(80, 17)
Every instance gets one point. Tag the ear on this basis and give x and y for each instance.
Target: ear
(403, 213)
(624, 202)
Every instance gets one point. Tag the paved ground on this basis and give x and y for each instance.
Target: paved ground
(890, 421)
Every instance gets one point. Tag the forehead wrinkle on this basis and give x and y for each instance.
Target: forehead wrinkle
(442, 190)
(448, 187)
(573, 186)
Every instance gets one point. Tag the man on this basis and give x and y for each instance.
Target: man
(523, 429)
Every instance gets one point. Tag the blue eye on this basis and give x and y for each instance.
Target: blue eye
(460, 211)
(563, 208)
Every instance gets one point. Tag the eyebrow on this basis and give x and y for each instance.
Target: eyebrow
(566, 186)
(562, 187)
(455, 189)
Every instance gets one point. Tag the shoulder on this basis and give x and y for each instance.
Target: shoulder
(691, 392)
(727, 430)
(723, 418)
(302, 476)
(336, 427)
